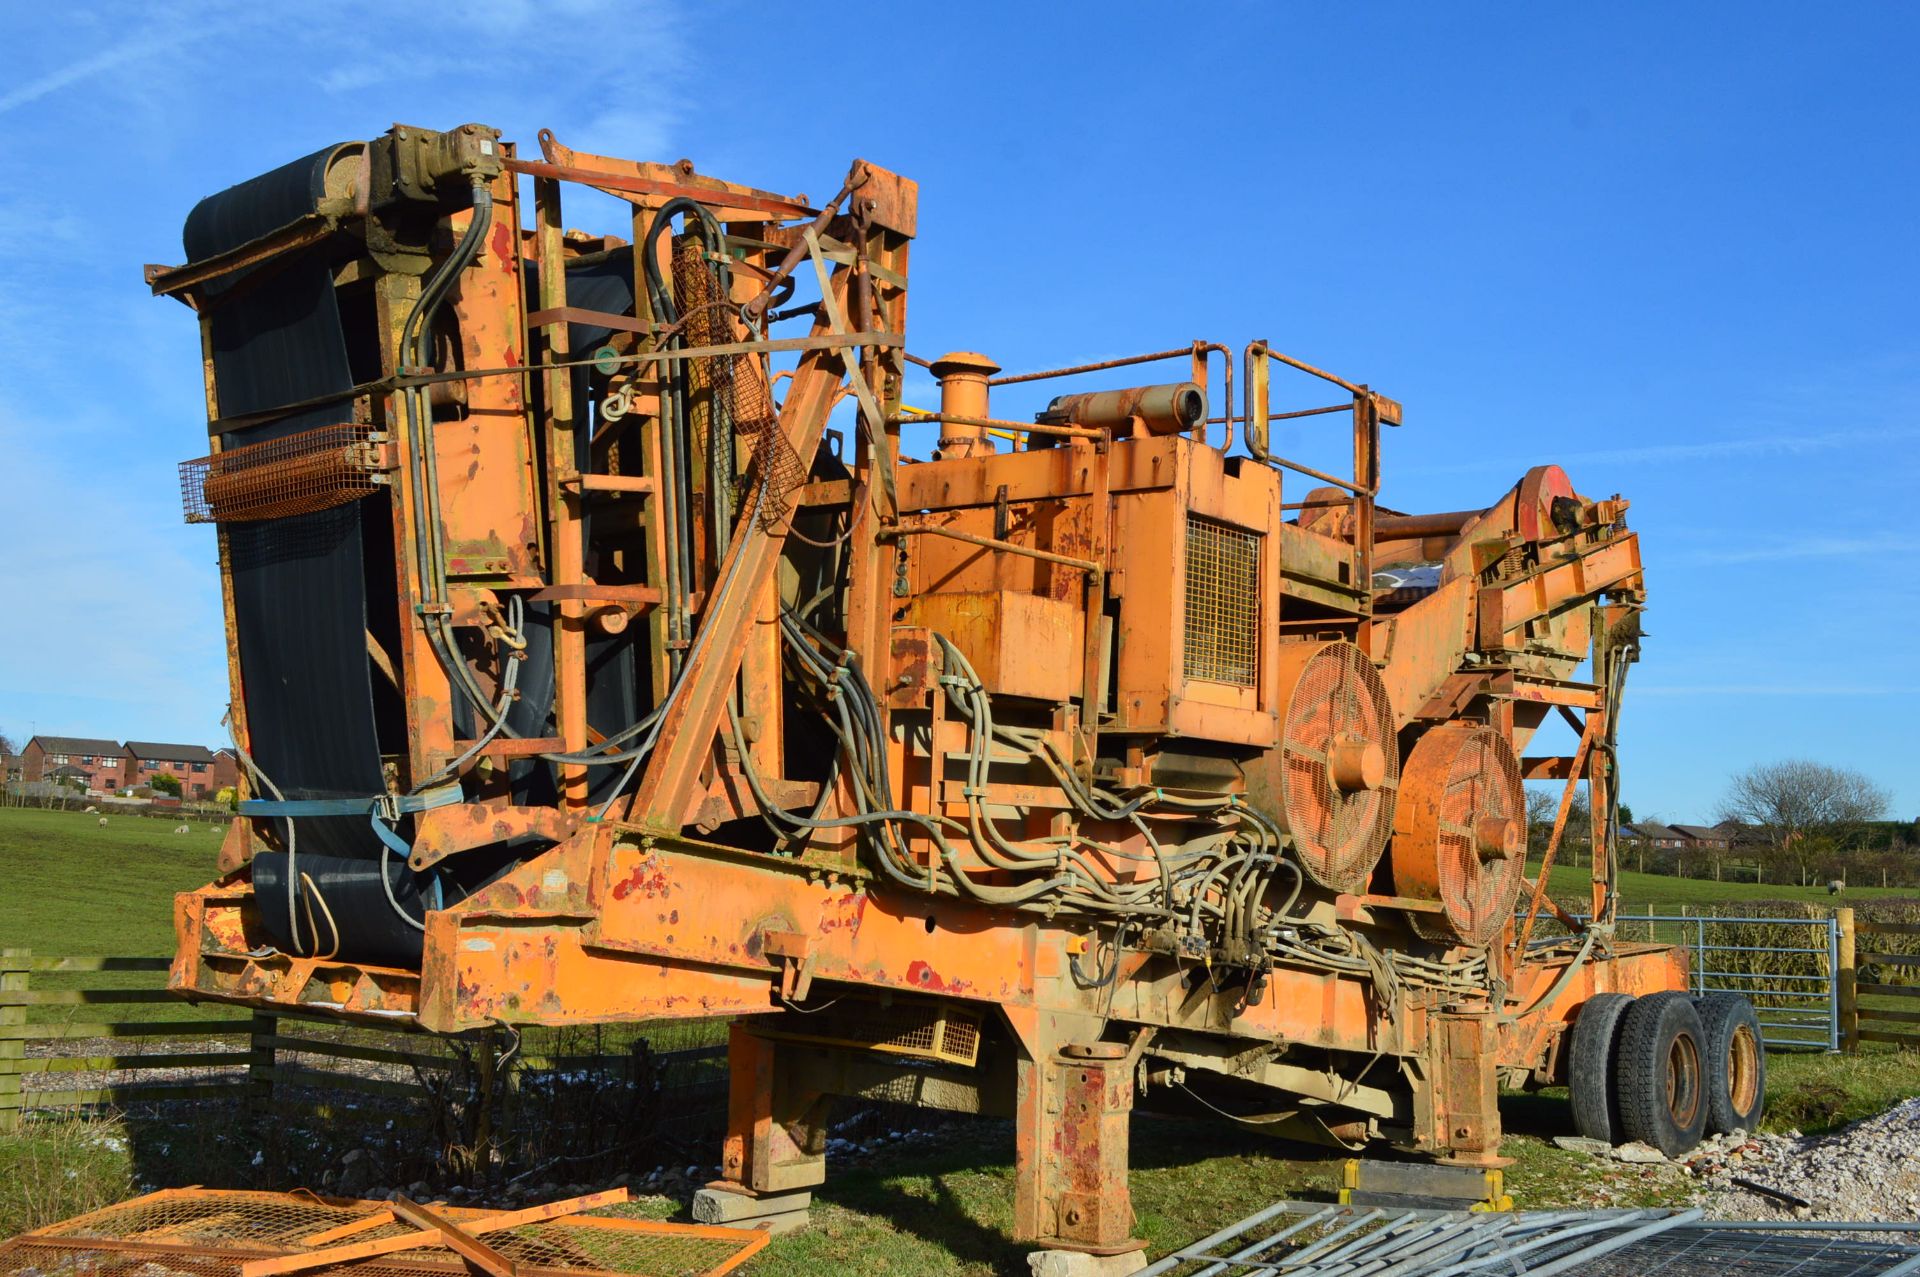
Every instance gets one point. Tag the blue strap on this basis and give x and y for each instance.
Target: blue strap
(387, 806)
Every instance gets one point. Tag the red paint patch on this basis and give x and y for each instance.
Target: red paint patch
(647, 878)
(925, 977)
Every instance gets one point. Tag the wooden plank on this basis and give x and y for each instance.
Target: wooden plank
(1881, 1013)
(1891, 959)
(1888, 928)
(1909, 1040)
(354, 1051)
(1890, 990)
(413, 1241)
(14, 967)
(78, 997)
(68, 1031)
(375, 1220)
(457, 1239)
(135, 1093)
(101, 964)
(131, 1063)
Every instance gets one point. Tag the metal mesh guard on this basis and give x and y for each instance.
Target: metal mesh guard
(202, 1233)
(1338, 836)
(298, 474)
(1223, 603)
(920, 1030)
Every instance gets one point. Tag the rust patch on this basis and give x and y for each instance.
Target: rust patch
(648, 878)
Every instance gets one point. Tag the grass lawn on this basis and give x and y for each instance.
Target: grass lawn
(942, 1206)
(69, 886)
(1658, 893)
(945, 1208)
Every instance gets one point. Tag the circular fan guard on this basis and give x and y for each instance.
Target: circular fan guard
(1338, 767)
(1460, 833)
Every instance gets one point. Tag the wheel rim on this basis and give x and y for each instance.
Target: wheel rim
(1743, 1069)
(1683, 1080)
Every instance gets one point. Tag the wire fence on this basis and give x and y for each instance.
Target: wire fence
(89, 1034)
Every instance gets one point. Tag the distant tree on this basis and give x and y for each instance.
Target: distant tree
(1626, 814)
(167, 783)
(1639, 847)
(6, 745)
(228, 797)
(1543, 807)
(1803, 811)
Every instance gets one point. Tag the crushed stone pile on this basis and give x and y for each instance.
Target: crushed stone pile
(1867, 1171)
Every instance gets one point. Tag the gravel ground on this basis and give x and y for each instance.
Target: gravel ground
(1867, 1171)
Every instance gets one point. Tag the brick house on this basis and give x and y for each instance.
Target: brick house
(1705, 837)
(99, 764)
(1652, 834)
(200, 771)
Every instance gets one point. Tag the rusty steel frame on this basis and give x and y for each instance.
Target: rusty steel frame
(1062, 791)
(240, 1216)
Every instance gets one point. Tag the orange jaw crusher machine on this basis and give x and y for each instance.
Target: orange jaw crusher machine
(582, 674)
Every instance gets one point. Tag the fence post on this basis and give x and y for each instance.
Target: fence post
(261, 1062)
(1700, 956)
(1846, 991)
(14, 967)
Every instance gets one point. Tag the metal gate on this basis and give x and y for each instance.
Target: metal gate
(1793, 984)
(1787, 967)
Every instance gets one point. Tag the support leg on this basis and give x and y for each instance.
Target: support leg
(1073, 1105)
(776, 1130)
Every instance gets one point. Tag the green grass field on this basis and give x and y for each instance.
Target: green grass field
(1657, 893)
(69, 886)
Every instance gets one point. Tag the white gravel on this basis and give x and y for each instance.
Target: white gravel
(1867, 1171)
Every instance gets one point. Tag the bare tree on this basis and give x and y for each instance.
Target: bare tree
(1802, 810)
(6, 746)
(1543, 806)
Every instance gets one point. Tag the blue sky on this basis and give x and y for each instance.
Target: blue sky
(1670, 247)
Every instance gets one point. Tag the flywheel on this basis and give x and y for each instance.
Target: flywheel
(1337, 763)
(1460, 832)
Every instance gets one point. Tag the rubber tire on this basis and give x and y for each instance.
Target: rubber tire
(1654, 1028)
(1590, 1056)
(1723, 1015)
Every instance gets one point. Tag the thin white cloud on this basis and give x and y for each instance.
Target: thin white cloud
(150, 43)
(1780, 445)
(1775, 689)
(1811, 547)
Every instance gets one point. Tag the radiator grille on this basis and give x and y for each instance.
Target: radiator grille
(298, 474)
(1223, 603)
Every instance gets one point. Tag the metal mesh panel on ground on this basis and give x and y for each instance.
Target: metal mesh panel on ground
(200, 1233)
(1223, 603)
(298, 474)
(1305, 1239)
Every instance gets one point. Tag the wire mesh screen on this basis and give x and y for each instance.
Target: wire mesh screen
(211, 1234)
(919, 1030)
(1223, 603)
(298, 474)
(734, 387)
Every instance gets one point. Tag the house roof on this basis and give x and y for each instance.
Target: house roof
(67, 769)
(1653, 831)
(153, 751)
(76, 745)
(1702, 833)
